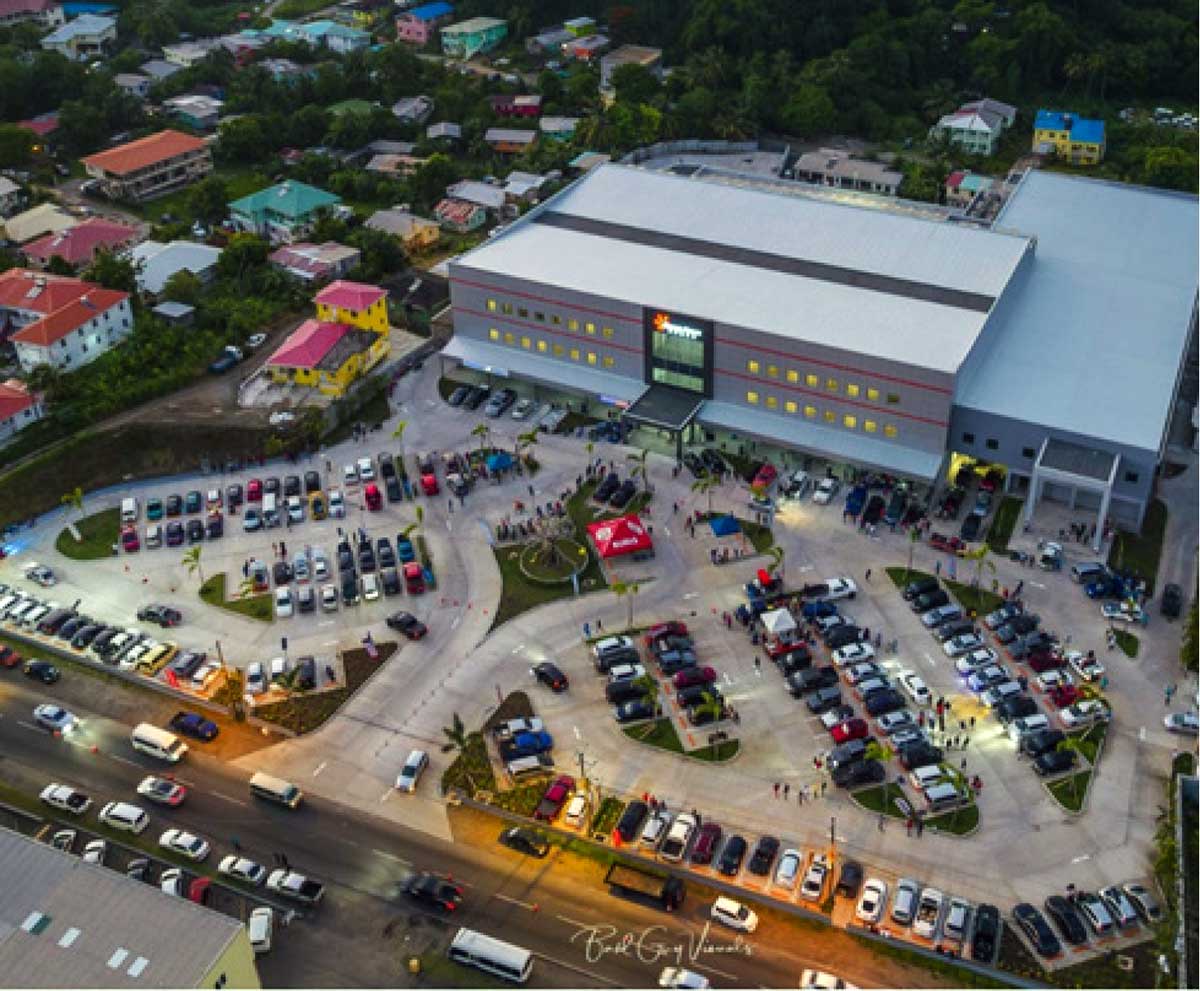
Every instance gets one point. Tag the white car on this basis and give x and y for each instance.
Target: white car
(859, 673)
(957, 916)
(242, 869)
(1122, 612)
(577, 810)
(125, 817)
(625, 672)
(678, 837)
(256, 678)
(1186, 723)
(66, 799)
(320, 565)
(41, 575)
(283, 602)
(1022, 726)
(172, 882)
(95, 851)
(787, 871)
(366, 470)
(205, 675)
(350, 475)
(872, 901)
(825, 491)
(337, 504)
(654, 830)
(256, 341)
(822, 980)
(1053, 679)
(410, 773)
(55, 718)
(260, 928)
(679, 977)
(814, 879)
(329, 597)
(976, 659)
(854, 653)
(185, 844)
(893, 722)
(915, 687)
(734, 914)
(929, 912)
(370, 587)
(1087, 667)
(964, 644)
(522, 409)
(300, 567)
(840, 588)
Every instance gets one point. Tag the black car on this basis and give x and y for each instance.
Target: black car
(1172, 601)
(408, 624)
(621, 691)
(215, 527)
(953, 628)
(271, 486)
(695, 464)
(919, 753)
(475, 398)
(631, 820)
(291, 486)
(195, 531)
(527, 841)
(608, 485)
(674, 661)
(850, 879)
(813, 678)
(1015, 708)
(1018, 626)
(970, 527)
(389, 578)
(162, 615)
(551, 676)
(457, 397)
(71, 627)
(193, 502)
(985, 934)
(42, 671)
(387, 556)
(794, 661)
(233, 496)
(366, 558)
(395, 492)
(823, 699)
(930, 600)
(620, 498)
(1054, 762)
(863, 772)
(387, 465)
(765, 852)
(695, 695)
(174, 505)
(345, 561)
(434, 891)
(883, 701)
(842, 636)
(614, 658)
(282, 572)
(86, 635)
(312, 481)
(349, 588)
(175, 533)
(921, 586)
(1030, 643)
(628, 712)
(1037, 929)
(306, 599)
(730, 861)
(1066, 919)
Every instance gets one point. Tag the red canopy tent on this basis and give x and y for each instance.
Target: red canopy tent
(624, 535)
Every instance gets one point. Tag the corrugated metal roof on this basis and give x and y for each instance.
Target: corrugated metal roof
(1094, 337)
(879, 244)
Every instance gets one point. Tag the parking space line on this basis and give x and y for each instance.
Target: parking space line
(514, 901)
(319, 768)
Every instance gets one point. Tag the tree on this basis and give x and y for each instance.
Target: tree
(639, 469)
(112, 272)
(398, 437)
(649, 687)
(524, 442)
(457, 742)
(634, 83)
(626, 591)
(58, 265)
(706, 486)
(777, 554)
(914, 538)
(16, 146)
(191, 561)
(183, 287)
(208, 200)
(982, 561)
(710, 705)
(244, 253)
(482, 431)
(1189, 653)
(877, 751)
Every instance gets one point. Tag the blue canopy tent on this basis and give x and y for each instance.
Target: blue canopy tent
(723, 526)
(500, 461)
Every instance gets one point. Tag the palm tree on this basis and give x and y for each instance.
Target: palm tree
(982, 560)
(398, 436)
(524, 442)
(878, 751)
(777, 554)
(191, 561)
(1073, 744)
(482, 430)
(626, 590)
(710, 705)
(74, 498)
(706, 485)
(639, 467)
(457, 742)
(648, 685)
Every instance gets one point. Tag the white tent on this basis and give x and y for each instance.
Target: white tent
(778, 622)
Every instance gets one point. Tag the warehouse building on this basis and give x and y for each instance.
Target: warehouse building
(871, 337)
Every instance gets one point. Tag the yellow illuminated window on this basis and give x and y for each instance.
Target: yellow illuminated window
(851, 389)
(592, 358)
(559, 350)
(752, 397)
(793, 376)
(507, 308)
(752, 366)
(790, 406)
(812, 380)
(873, 394)
(831, 385)
(850, 421)
(830, 416)
(772, 402)
(494, 334)
(810, 411)
(509, 337)
(870, 426)
(609, 361)
(492, 305)
(574, 354)
(572, 324)
(889, 430)
(590, 327)
(526, 343)
(608, 331)
(542, 346)
(773, 371)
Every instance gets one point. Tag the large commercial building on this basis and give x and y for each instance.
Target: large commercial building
(876, 336)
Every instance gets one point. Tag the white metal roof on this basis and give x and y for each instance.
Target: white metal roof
(1094, 337)
(896, 327)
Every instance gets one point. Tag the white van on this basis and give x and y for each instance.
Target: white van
(942, 796)
(157, 743)
(270, 510)
(129, 510)
(275, 789)
(122, 815)
(528, 767)
(926, 777)
(261, 928)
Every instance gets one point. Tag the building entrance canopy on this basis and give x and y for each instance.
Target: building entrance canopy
(665, 407)
(1061, 462)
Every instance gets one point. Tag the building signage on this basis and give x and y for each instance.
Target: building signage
(664, 323)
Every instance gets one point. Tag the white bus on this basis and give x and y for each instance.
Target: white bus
(493, 955)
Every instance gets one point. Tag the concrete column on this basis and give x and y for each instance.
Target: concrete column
(1105, 498)
(1035, 493)
(1074, 496)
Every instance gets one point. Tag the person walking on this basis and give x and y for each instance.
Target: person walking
(587, 631)
(599, 625)
(867, 574)
(787, 788)
(908, 824)
(937, 568)
(824, 785)
(881, 821)
(757, 664)
(800, 794)
(776, 789)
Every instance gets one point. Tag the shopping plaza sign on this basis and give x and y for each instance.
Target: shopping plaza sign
(664, 323)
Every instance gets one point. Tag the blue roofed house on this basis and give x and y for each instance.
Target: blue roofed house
(418, 25)
(1072, 138)
(336, 37)
(86, 37)
(282, 213)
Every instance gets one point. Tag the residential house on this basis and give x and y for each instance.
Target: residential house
(415, 233)
(963, 187)
(973, 127)
(444, 131)
(580, 27)
(185, 54)
(47, 13)
(334, 36)
(43, 125)
(509, 141)
(281, 213)
(587, 49)
(649, 58)
(585, 161)
(18, 408)
(548, 42)
(201, 113)
(155, 263)
(348, 338)
(515, 106)
(283, 69)
(482, 194)
(459, 215)
(382, 146)
(45, 218)
(315, 263)
(398, 165)
(87, 37)
(175, 314)
(418, 25)
(466, 39)
(77, 245)
(522, 187)
(61, 321)
(840, 169)
(559, 128)
(11, 196)
(413, 109)
(134, 83)
(1072, 138)
(242, 47)
(1006, 112)
(148, 167)
(158, 70)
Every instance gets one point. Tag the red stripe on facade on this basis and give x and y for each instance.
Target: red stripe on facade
(543, 329)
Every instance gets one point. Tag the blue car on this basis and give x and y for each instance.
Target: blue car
(194, 725)
(536, 743)
(819, 608)
(1105, 588)
(404, 550)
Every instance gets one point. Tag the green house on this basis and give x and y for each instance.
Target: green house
(281, 213)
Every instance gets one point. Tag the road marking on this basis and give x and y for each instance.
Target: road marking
(573, 922)
(36, 729)
(329, 643)
(690, 595)
(578, 736)
(385, 796)
(514, 901)
(326, 622)
(457, 620)
(125, 760)
(928, 659)
(319, 768)
(391, 856)
(226, 798)
(1141, 734)
(1037, 584)
(1081, 858)
(714, 970)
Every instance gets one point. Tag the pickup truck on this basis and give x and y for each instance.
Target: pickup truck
(66, 798)
(295, 886)
(669, 892)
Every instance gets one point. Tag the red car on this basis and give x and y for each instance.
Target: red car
(694, 676)
(9, 658)
(374, 499)
(780, 647)
(199, 890)
(555, 798)
(765, 476)
(951, 545)
(129, 539)
(673, 628)
(1063, 696)
(429, 484)
(1043, 660)
(254, 490)
(707, 841)
(851, 729)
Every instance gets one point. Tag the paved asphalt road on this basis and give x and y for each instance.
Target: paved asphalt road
(365, 929)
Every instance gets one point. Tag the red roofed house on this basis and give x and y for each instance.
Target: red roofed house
(60, 321)
(148, 167)
(18, 408)
(349, 337)
(78, 245)
(48, 13)
(315, 263)
(43, 125)
(459, 215)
